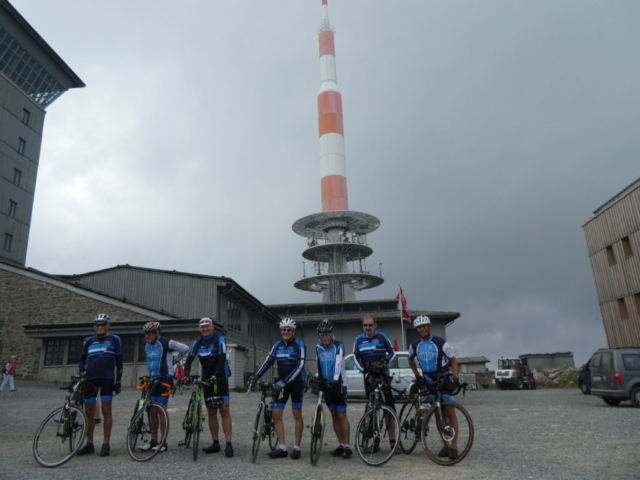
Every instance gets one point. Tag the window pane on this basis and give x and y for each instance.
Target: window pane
(606, 361)
(128, 348)
(350, 364)
(75, 351)
(54, 352)
(631, 361)
(403, 361)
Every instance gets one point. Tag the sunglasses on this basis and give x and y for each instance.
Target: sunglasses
(367, 324)
(100, 324)
(286, 329)
(149, 333)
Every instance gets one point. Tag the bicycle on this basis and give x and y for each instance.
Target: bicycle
(62, 433)
(447, 425)
(378, 423)
(139, 429)
(193, 419)
(411, 417)
(263, 426)
(318, 421)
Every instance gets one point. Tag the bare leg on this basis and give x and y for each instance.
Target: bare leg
(90, 409)
(297, 414)
(225, 413)
(276, 415)
(108, 420)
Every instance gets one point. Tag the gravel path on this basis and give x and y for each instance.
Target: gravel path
(554, 434)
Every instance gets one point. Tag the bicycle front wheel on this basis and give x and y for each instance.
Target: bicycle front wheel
(409, 435)
(317, 434)
(139, 434)
(270, 430)
(197, 426)
(376, 435)
(257, 433)
(60, 436)
(441, 436)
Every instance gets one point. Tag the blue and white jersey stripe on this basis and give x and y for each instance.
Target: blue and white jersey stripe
(375, 349)
(330, 361)
(290, 357)
(433, 353)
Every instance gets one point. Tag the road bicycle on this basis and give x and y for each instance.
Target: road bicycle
(62, 433)
(318, 421)
(378, 428)
(411, 417)
(447, 425)
(263, 426)
(139, 431)
(194, 418)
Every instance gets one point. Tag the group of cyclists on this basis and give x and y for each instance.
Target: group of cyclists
(101, 365)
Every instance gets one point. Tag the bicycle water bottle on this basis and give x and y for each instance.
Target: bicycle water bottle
(423, 412)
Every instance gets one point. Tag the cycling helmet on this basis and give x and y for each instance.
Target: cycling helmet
(325, 327)
(214, 402)
(205, 321)
(151, 327)
(421, 320)
(287, 323)
(102, 317)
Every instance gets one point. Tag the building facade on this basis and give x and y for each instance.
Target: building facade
(32, 76)
(548, 360)
(613, 244)
(45, 318)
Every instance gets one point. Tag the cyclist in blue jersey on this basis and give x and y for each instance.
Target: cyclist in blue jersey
(434, 354)
(101, 365)
(289, 354)
(211, 351)
(160, 361)
(330, 363)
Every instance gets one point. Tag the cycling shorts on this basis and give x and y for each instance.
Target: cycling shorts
(385, 393)
(336, 398)
(91, 387)
(295, 390)
(222, 389)
(159, 389)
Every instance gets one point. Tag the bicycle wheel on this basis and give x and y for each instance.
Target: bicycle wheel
(59, 436)
(139, 433)
(376, 434)
(257, 433)
(197, 426)
(317, 434)
(187, 425)
(270, 430)
(409, 435)
(457, 433)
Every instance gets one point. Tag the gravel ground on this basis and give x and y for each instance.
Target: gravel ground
(554, 434)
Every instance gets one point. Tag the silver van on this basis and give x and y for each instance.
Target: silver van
(615, 375)
(399, 368)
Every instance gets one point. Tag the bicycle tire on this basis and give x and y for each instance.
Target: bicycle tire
(139, 433)
(187, 425)
(197, 426)
(270, 430)
(257, 433)
(409, 435)
(434, 443)
(317, 435)
(373, 441)
(59, 436)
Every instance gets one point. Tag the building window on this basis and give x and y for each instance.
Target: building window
(22, 145)
(142, 355)
(622, 308)
(26, 115)
(75, 351)
(54, 352)
(611, 256)
(128, 348)
(12, 208)
(636, 301)
(17, 175)
(234, 315)
(8, 240)
(626, 247)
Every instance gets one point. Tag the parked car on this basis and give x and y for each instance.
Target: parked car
(584, 378)
(615, 375)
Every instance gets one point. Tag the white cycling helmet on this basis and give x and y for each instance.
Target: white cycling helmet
(421, 320)
(287, 323)
(102, 317)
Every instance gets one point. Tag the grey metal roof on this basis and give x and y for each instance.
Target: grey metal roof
(482, 359)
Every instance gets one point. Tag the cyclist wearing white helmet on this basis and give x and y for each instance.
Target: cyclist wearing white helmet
(290, 355)
(101, 364)
(331, 367)
(434, 353)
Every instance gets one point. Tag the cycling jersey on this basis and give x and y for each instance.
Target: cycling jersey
(330, 361)
(433, 353)
(290, 357)
(101, 356)
(212, 353)
(375, 349)
(160, 358)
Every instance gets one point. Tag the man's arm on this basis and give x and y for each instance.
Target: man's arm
(338, 365)
(181, 348)
(414, 367)
(266, 365)
(296, 371)
(454, 365)
(356, 356)
(391, 353)
(222, 358)
(190, 358)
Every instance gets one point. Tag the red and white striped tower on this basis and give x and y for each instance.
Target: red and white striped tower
(333, 169)
(336, 237)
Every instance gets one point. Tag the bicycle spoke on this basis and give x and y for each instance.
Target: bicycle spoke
(440, 436)
(139, 434)
(376, 435)
(60, 436)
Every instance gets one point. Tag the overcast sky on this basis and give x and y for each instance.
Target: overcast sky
(481, 134)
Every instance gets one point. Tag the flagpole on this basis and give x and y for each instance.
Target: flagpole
(404, 340)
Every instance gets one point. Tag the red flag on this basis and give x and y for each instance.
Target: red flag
(403, 302)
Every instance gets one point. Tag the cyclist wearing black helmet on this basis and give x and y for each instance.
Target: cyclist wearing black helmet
(330, 363)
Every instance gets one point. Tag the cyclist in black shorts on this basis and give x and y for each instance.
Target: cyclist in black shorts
(211, 350)
(101, 357)
(290, 354)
